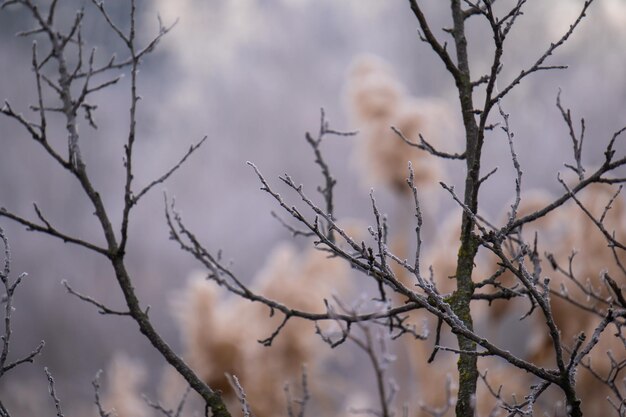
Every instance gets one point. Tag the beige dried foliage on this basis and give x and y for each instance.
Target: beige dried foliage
(442, 254)
(171, 388)
(589, 240)
(432, 379)
(124, 379)
(559, 233)
(372, 92)
(399, 246)
(592, 259)
(429, 379)
(212, 342)
(301, 281)
(593, 392)
(513, 384)
(551, 231)
(377, 102)
(357, 401)
(220, 334)
(355, 229)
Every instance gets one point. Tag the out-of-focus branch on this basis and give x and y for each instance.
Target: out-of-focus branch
(9, 289)
(170, 412)
(619, 294)
(447, 405)
(97, 401)
(53, 393)
(379, 359)
(301, 402)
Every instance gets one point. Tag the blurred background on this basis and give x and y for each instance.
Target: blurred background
(252, 75)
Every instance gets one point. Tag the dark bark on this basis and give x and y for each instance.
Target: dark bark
(460, 302)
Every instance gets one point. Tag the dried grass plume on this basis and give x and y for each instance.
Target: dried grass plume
(125, 378)
(377, 101)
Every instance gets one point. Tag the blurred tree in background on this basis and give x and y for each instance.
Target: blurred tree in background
(502, 295)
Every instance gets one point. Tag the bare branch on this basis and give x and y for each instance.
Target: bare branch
(102, 309)
(608, 236)
(172, 170)
(577, 143)
(430, 38)
(96, 388)
(53, 394)
(170, 412)
(425, 146)
(538, 65)
(50, 230)
(241, 395)
(9, 292)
